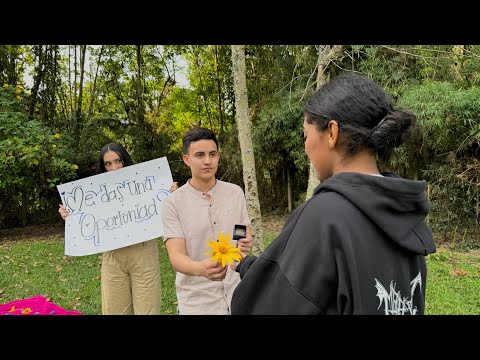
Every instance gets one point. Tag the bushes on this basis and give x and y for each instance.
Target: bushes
(31, 161)
(444, 152)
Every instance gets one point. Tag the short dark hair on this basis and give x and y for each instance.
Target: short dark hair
(364, 113)
(196, 134)
(120, 150)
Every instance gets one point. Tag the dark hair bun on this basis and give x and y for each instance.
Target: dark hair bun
(391, 131)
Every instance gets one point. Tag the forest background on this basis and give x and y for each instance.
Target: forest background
(60, 104)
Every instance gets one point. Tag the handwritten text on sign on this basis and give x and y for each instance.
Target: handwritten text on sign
(115, 209)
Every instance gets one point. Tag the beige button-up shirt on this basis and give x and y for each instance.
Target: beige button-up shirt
(198, 218)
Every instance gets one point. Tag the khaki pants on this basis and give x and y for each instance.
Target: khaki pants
(131, 280)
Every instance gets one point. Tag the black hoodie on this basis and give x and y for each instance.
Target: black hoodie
(358, 246)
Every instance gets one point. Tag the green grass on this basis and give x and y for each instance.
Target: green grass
(38, 267)
(453, 283)
(30, 268)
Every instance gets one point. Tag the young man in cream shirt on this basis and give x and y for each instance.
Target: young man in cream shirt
(194, 215)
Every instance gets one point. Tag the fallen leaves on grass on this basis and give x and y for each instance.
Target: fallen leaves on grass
(458, 272)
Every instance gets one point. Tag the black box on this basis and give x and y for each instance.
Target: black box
(239, 232)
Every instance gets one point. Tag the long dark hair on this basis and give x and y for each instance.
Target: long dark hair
(364, 113)
(120, 150)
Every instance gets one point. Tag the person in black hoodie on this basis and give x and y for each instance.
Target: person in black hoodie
(358, 245)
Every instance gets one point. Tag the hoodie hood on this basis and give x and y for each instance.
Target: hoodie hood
(398, 206)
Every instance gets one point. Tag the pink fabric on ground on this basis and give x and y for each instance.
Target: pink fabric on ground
(37, 305)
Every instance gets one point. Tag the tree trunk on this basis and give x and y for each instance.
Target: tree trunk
(37, 80)
(312, 182)
(11, 67)
(219, 90)
(73, 114)
(140, 112)
(146, 134)
(202, 88)
(246, 146)
(70, 79)
(75, 96)
(458, 51)
(94, 88)
(83, 50)
(78, 108)
(63, 102)
(326, 54)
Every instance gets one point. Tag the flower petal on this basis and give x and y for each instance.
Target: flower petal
(227, 238)
(236, 256)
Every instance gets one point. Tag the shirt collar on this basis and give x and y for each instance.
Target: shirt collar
(199, 192)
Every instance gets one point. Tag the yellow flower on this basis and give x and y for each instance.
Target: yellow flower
(5, 85)
(19, 97)
(223, 251)
(18, 86)
(54, 146)
(26, 311)
(18, 90)
(75, 167)
(56, 136)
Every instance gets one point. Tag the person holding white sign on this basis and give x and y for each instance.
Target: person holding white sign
(195, 214)
(130, 278)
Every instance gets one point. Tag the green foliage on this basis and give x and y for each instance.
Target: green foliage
(271, 69)
(28, 147)
(133, 87)
(449, 115)
(11, 64)
(211, 79)
(29, 158)
(278, 144)
(279, 129)
(130, 96)
(230, 166)
(388, 66)
(48, 57)
(445, 149)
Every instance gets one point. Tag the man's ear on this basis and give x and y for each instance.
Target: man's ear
(333, 134)
(186, 160)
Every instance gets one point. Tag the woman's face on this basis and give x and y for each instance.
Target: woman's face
(112, 161)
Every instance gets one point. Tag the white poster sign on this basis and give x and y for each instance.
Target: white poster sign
(115, 209)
